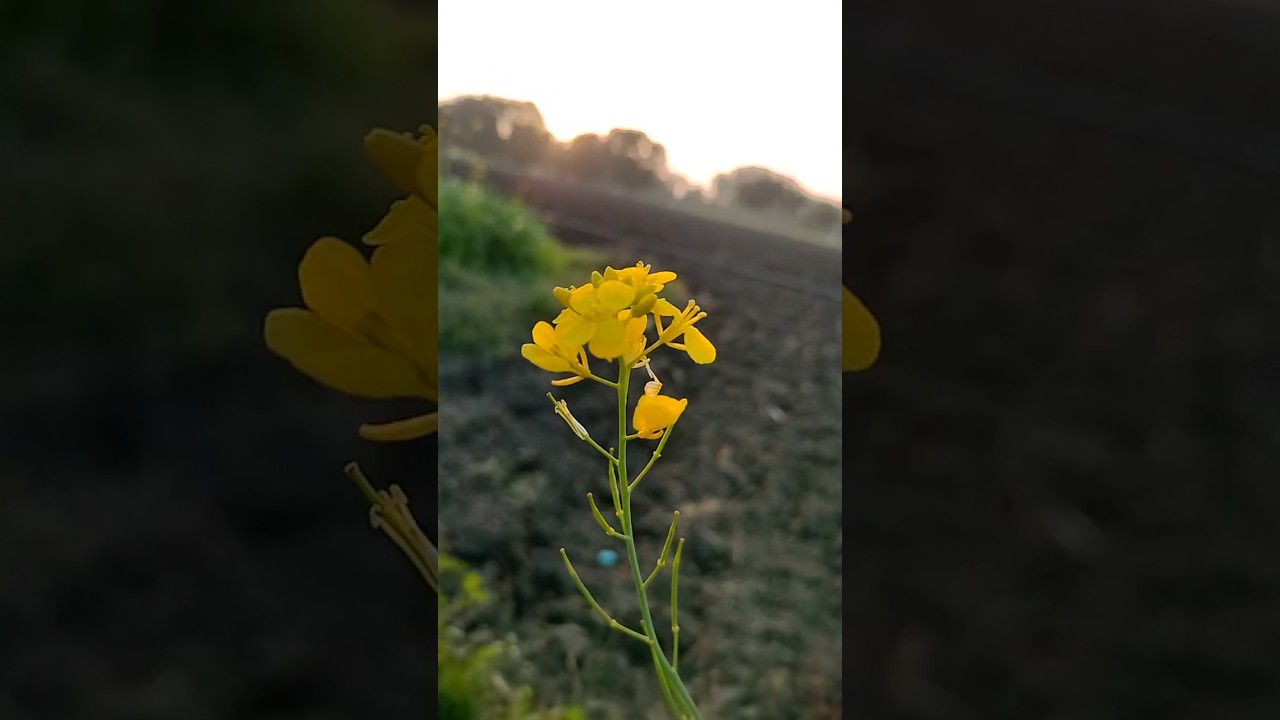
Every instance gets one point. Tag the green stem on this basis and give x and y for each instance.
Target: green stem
(666, 547)
(613, 488)
(678, 697)
(604, 524)
(657, 453)
(562, 409)
(608, 619)
(602, 381)
(675, 626)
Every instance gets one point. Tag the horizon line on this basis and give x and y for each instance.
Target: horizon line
(805, 189)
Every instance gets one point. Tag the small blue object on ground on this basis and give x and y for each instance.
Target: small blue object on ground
(607, 558)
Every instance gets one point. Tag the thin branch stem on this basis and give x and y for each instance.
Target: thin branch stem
(596, 606)
(613, 488)
(604, 524)
(602, 381)
(675, 625)
(666, 547)
(657, 453)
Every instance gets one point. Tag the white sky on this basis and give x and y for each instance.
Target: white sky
(719, 84)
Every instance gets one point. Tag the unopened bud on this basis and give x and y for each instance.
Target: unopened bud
(644, 305)
(562, 294)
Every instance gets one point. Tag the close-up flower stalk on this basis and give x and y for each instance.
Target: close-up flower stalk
(610, 319)
(369, 328)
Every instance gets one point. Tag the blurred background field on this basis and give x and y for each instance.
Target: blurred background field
(754, 468)
(552, 169)
(177, 539)
(493, 133)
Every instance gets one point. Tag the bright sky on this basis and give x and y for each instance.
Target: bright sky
(720, 84)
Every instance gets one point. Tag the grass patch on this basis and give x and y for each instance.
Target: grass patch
(481, 676)
(498, 263)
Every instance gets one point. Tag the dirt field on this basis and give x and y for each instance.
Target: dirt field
(1064, 482)
(754, 469)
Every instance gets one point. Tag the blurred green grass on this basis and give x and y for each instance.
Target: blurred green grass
(482, 675)
(498, 263)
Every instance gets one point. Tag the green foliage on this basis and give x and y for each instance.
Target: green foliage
(473, 666)
(485, 233)
(497, 261)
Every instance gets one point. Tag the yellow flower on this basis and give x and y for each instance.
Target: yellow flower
(640, 275)
(600, 317)
(655, 413)
(369, 327)
(609, 318)
(548, 354)
(696, 344)
(860, 344)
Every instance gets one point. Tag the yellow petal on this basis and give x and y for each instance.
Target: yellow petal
(583, 300)
(401, 430)
(656, 412)
(614, 295)
(397, 155)
(662, 278)
(341, 361)
(860, 345)
(335, 283)
(699, 347)
(544, 336)
(543, 359)
(573, 330)
(665, 308)
(635, 337)
(408, 220)
(636, 328)
(609, 340)
(632, 275)
(404, 281)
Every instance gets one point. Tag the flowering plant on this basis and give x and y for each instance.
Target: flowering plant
(610, 318)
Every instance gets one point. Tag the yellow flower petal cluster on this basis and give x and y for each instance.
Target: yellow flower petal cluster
(609, 317)
(860, 342)
(369, 328)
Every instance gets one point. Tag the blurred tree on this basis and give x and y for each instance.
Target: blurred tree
(586, 158)
(530, 146)
(625, 158)
(497, 128)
